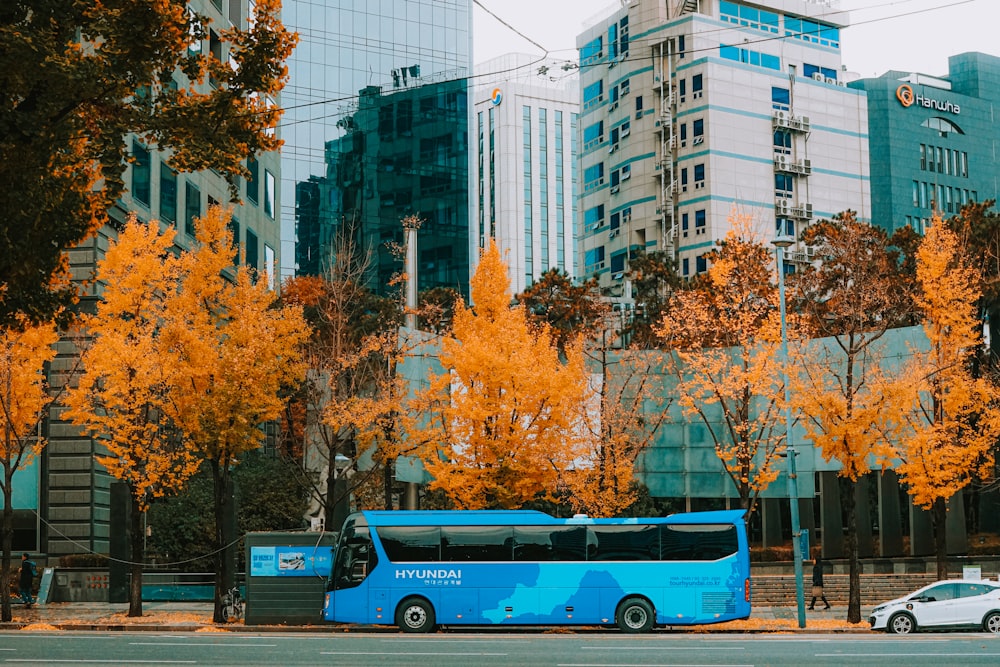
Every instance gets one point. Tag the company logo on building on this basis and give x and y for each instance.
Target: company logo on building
(908, 98)
(496, 96)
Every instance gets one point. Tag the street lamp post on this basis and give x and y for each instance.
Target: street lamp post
(780, 243)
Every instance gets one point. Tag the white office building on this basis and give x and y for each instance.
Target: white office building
(690, 109)
(524, 177)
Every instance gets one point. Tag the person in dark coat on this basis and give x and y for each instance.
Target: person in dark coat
(817, 589)
(26, 580)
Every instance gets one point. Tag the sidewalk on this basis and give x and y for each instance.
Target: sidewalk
(197, 617)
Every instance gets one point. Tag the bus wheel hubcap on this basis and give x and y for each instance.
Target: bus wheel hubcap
(415, 617)
(635, 617)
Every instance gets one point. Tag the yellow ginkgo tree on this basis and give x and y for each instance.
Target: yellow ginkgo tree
(723, 337)
(499, 426)
(236, 349)
(953, 417)
(124, 394)
(24, 396)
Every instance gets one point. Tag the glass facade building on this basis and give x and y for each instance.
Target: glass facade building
(375, 129)
(932, 138)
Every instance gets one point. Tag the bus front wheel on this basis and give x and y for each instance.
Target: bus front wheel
(635, 615)
(415, 615)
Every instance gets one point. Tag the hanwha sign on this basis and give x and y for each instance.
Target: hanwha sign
(905, 95)
(908, 98)
(496, 96)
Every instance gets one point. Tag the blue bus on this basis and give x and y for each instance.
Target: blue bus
(421, 569)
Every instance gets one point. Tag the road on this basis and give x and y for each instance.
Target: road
(494, 648)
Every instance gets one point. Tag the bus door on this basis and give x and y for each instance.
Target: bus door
(349, 578)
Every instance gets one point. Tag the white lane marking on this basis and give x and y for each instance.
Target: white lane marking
(107, 662)
(200, 644)
(967, 654)
(413, 653)
(484, 640)
(645, 664)
(662, 648)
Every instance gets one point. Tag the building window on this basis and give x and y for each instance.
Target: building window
(699, 176)
(782, 142)
(252, 252)
(783, 185)
(593, 135)
(638, 106)
(684, 179)
(192, 207)
(686, 267)
(684, 224)
(784, 227)
(593, 176)
(592, 51)
(594, 217)
(253, 182)
(234, 231)
(781, 98)
(698, 128)
(916, 194)
(269, 194)
(593, 94)
(699, 221)
(269, 265)
(696, 86)
(168, 194)
(680, 46)
(923, 157)
(701, 264)
(683, 130)
(615, 221)
(141, 173)
(682, 90)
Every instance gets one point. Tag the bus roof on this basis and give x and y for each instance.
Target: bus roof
(528, 518)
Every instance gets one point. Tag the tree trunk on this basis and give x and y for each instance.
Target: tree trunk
(223, 565)
(939, 521)
(387, 483)
(847, 490)
(8, 542)
(137, 553)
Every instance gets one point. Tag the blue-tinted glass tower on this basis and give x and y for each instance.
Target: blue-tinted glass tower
(376, 128)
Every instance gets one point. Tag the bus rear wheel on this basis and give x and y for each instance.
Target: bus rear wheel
(415, 615)
(635, 615)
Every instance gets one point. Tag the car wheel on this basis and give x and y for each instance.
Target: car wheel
(992, 622)
(901, 624)
(415, 615)
(635, 615)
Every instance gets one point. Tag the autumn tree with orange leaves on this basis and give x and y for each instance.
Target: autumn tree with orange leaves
(723, 336)
(952, 418)
(236, 350)
(621, 417)
(80, 79)
(124, 397)
(499, 427)
(851, 298)
(24, 397)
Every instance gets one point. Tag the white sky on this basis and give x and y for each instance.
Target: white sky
(907, 35)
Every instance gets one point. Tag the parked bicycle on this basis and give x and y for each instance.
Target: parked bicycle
(232, 605)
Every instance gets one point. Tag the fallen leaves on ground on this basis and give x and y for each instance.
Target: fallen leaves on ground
(171, 617)
(36, 627)
(777, 625)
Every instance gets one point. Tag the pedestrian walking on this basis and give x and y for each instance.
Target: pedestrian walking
(26, 580)
(817, 589)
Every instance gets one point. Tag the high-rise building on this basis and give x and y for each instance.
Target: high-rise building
(376, 129)
(63, 498)
(932, 139)
(693, 108)
(524, 169)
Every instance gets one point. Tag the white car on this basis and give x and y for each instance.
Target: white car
(956, 603)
